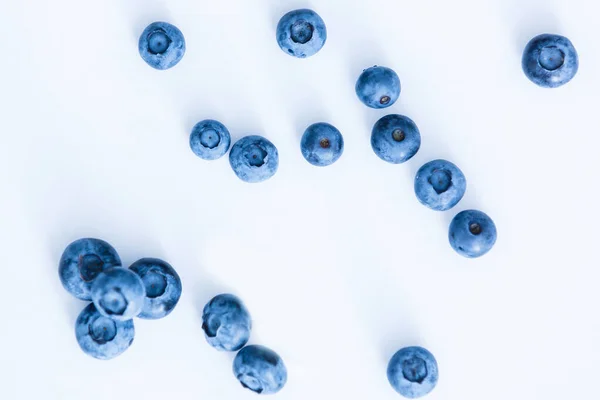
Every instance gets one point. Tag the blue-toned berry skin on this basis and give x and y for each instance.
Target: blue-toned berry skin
(550, 61)
(162, 284)
(210, 139)
(378, 87)
(82, 261)
(395, 138)
(413, 372)
(472, 233)
(226, 323)
(101, 337)
(254, 159)
(161, 45)
(260, 369)
(322, 144)
(118, 293)
(301, 33)
(440, 185)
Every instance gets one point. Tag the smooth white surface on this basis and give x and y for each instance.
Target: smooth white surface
(339, 266)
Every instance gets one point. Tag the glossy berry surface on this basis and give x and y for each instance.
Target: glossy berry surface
(254, 159)
(162, 284)
(472, 233)
(210, 139)
(118, 293)
(322, 144)
(82, 261)
(440, 185)
(102, 337)
(413, 372)
(395, 138)
(260, 369)
(550, 61)
(161, 45)
(226, 323)
(378, 87)
(301, 33)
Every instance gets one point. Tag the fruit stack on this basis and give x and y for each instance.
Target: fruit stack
(91, 270)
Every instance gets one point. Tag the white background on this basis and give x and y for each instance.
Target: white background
(339, 266)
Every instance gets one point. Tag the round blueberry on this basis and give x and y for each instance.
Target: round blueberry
(161, 45)
(254, 159)
(118, 293)
(440, 185)
(301, 33)
(210, 139)
(395, 138)
(82, 261)
(260, 369)
(226, 323)
(413, 372)
(101, 337)
(163, 287)
(472, 233)
(550, 61)
(378, 87)
(322, 144)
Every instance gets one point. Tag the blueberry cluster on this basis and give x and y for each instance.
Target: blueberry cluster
(226, 324)
(91, 270)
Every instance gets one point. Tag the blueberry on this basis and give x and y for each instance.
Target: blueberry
(118, 293)
(472, 233)
(101, 337)
(440, 185)
(550, 61)
(82, 261)
(161, 45)
(254, 159)
(226, 323)
(260, 369)
(163, 287)
(210, 139)
(395, 138)
(301, 33)
(378, 87)
(322, 144)
(413, 372)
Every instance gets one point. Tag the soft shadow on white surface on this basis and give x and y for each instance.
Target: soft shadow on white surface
(528, 19)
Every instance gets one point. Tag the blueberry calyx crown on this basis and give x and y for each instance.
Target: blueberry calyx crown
(385, 99)
(475, 228)
(324, 143)
(250, 382)
(440, 180)
(414, 370)
(551, 58)
(102, 330)
(256, 156)
(398, 135)
(158, 41)
(90, 265)
(301, 31)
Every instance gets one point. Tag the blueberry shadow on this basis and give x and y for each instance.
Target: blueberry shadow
(141, 13)
(306, 116)
(390, 326)
(529, 18)
(246, 125)
(205, 289)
